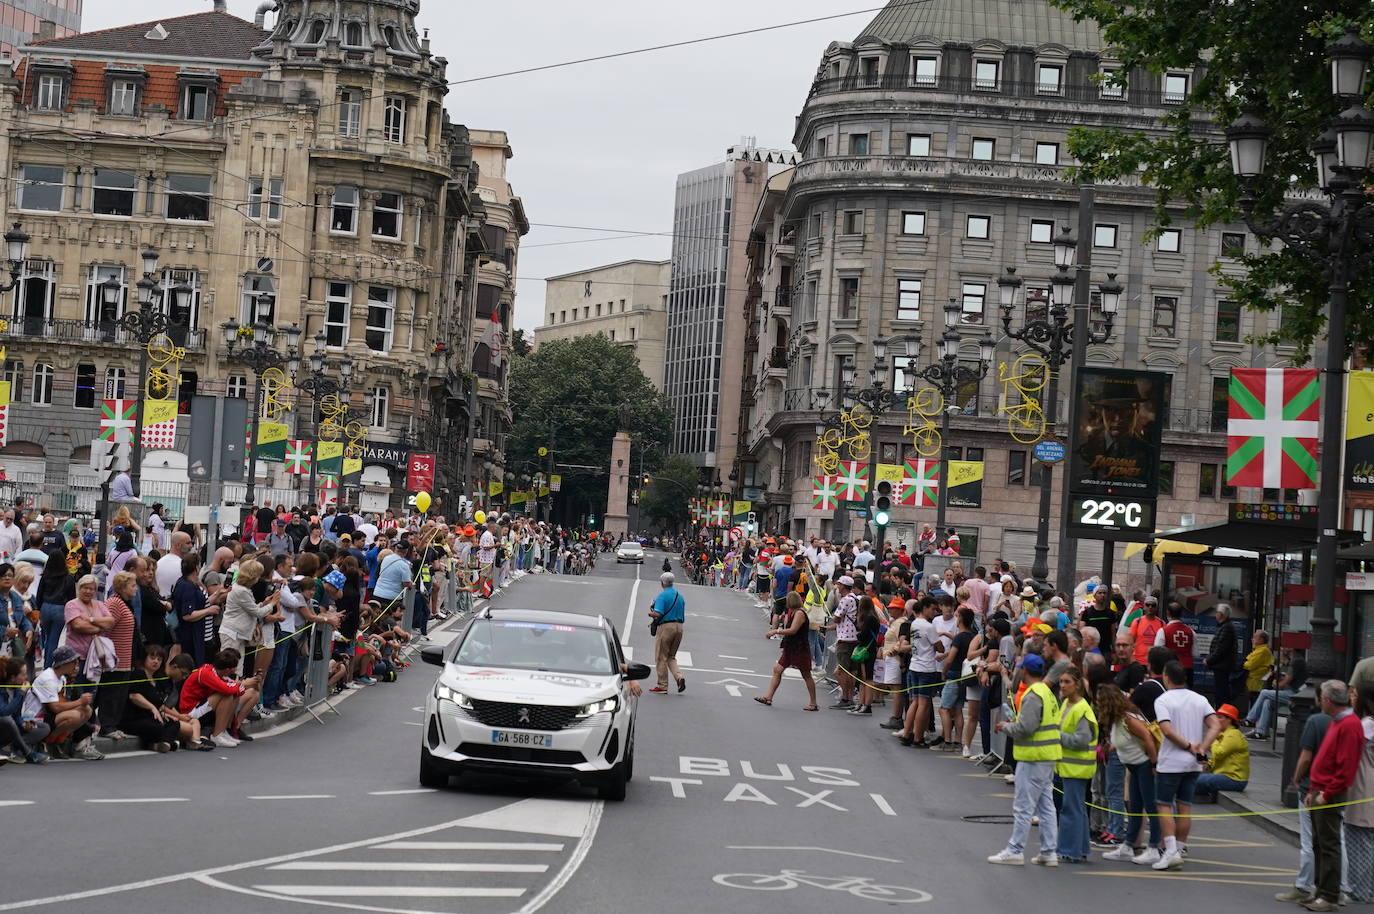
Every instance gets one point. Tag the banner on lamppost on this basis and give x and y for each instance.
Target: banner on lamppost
(1359, 431)
(965, 484)
(1115, 444)
(555, 482)
(272, 437)
(330, 457)
(159, 423)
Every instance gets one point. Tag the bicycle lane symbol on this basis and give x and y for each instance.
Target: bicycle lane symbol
(858, 886)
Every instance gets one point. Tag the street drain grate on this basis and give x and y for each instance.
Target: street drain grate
(989, 819)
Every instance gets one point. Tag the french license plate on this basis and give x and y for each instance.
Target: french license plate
(513, 738)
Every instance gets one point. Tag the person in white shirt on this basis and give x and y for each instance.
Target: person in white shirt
(826, 561)
(367, 530)
(169, 566)
(925, 676)
(1189, 726)
(864, 557)
(11, 537)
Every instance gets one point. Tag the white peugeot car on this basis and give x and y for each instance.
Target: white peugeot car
(629, 551)
(534, 694)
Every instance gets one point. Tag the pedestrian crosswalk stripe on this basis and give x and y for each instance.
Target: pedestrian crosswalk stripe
(399, 891)
(684, 658)
(385, 866)
(467, 846)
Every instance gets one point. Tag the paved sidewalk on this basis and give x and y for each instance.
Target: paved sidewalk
(1263, 800)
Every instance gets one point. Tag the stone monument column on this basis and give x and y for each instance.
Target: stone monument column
(618, 492)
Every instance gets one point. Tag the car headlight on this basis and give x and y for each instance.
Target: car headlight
(611, 704)
(444, 693)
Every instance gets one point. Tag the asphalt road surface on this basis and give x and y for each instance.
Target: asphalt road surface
(734, 806)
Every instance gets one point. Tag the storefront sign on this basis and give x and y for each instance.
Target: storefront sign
(388, 455)
(1359, 580)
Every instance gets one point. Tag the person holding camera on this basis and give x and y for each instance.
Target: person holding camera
(667, 615)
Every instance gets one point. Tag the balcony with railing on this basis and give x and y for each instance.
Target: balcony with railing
(782, 302)
(777, 362)
(65, 330)
(898, 168)
(983, 89)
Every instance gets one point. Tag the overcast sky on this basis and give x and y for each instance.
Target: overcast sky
(600, 144)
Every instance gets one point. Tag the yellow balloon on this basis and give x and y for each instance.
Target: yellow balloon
(480, 517)
(422, 501)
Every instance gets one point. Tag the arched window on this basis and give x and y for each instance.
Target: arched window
(389, 33)
(353, 34)
(317, 28)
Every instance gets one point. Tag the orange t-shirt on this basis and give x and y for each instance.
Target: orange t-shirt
(1144, 630)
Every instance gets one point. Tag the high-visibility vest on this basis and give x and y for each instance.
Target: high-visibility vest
(1042, 745)
(814, 604)
(1077, 763)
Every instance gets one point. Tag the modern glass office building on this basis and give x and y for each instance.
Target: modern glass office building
(22, 20)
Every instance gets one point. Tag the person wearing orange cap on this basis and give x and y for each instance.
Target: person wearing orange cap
(1229, 767)
(896, 655)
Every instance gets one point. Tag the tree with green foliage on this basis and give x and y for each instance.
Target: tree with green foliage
(572, 396)
(1268, 59)
(667, 501)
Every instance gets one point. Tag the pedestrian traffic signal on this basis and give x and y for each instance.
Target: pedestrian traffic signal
(108, 458)
(882, 503)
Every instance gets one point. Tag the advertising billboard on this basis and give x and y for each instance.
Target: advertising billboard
(1114, 448)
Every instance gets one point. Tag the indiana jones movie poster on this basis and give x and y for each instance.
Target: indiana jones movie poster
(1115, 444)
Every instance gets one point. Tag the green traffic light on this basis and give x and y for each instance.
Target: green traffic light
(881, 518)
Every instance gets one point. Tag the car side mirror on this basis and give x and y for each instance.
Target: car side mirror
(434, 654)
(637, 671)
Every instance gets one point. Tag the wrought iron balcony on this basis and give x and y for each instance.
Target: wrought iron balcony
(66, 330)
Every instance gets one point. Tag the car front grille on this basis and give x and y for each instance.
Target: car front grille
(521, 754)
(523, 716)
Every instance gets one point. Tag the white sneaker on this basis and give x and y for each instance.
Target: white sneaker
(1009, 778)
(1007, 858)
(1045, 859)
(1120, 852)
(286, 701)
(966, 753)
(1148, 857)
(297, 697)
(224, 741)
(1171, 860)
(1035, 821)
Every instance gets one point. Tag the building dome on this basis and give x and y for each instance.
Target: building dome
(1032, 22)
(356, 25)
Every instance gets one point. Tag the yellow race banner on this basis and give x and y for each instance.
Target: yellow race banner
(965, 484)
(495, 487)
(1359, 431)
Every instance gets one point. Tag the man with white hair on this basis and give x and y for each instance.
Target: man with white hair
(1223, 658)
(668, 613)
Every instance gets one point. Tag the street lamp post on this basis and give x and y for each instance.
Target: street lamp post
(258, 356)
(877, 398)
(319, 385)
(150, 321)
(946, 375)
(1052, 338)
(1337, 236)
(16, 252)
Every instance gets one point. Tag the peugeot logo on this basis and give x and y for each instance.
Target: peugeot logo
(523, 715)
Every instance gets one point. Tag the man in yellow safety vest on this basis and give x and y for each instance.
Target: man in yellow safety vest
(1036, 748)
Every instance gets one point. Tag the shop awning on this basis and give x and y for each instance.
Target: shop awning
(1266, 538)
(1364, 552)
(1162, 547)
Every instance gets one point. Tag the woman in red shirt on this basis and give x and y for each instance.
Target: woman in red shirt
(113, 694)
(207, 690)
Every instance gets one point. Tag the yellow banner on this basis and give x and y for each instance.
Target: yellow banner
(328, 450)
(1359, 405)
(543, 490)
(889, 472)
(741, 507)
(4, 393)
(962, 472)
(519, 498)
(555, 481)
(159, 411)
(352, 465)
(495, 487)
(268, 432)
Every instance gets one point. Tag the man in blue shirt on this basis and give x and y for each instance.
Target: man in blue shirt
(668, 613)
(782, 582)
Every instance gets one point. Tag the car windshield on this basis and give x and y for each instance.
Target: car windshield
(536, 646)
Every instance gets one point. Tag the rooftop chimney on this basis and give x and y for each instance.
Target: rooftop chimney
(221, 6)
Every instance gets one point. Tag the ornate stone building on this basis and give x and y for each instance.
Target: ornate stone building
(304, 173)
(935, 155)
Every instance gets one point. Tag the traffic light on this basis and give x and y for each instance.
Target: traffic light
(882, 503)
(109, 457)
(751, 524)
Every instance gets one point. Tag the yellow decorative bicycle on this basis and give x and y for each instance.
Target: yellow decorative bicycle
(852, 434)
(922, 410)
(1027, 377)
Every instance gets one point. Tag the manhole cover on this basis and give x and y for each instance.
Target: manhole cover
(989, 819)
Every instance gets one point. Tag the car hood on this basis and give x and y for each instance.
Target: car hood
(553, 688)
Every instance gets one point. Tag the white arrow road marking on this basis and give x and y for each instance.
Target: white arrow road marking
(733, 686)
(568, 818)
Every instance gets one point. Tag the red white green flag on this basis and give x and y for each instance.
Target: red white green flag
(298, 456)
(920, 482)
(853, 480)
(825, 492)
(720, 512)
(1271, 428)
(117, 418)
